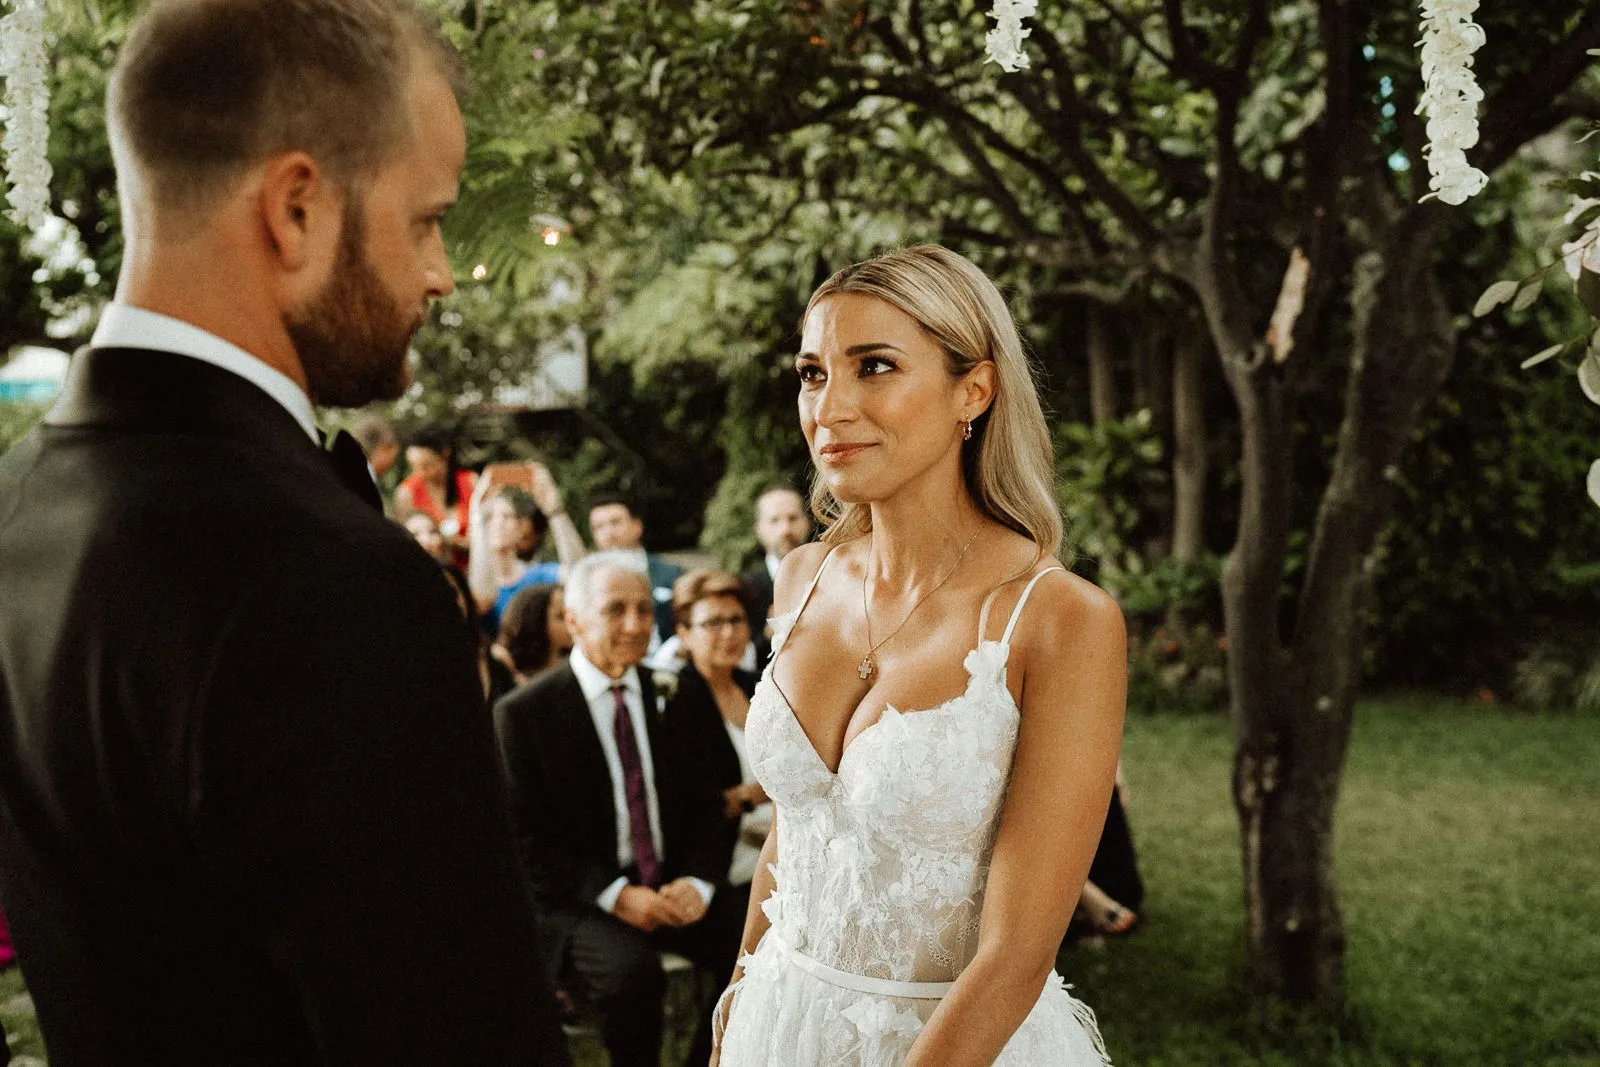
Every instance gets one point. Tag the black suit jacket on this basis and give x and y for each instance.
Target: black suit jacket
(693, 711)
(249, 806)
(561, 794)
(758, 593)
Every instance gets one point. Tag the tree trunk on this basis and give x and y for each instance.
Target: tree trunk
(1102, 364)
(1188, 450)
(1293, 703)
(1188, 460)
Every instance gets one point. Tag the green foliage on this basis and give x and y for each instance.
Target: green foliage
(761, 438)
(1106, 474)
(1181, 670)
(1482, 556)
(1561, 671)
(16, 420)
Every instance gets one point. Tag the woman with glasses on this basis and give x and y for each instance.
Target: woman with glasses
(713, 625)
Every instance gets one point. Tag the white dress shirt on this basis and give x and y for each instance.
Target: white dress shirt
(126, 326)
(773, 563)
(596, 686)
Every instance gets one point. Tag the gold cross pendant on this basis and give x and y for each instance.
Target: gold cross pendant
(867, 667)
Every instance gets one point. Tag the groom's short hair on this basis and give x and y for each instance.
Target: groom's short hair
(204, 88)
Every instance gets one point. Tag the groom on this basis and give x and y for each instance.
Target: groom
(249, 806)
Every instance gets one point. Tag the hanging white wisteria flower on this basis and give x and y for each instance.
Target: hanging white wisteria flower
(24, 64)
(1450, 97)
(1004, 42)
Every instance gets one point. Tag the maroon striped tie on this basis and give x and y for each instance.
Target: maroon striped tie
(644, 848)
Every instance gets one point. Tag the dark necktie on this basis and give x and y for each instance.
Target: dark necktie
(644, 849)
(349, 462)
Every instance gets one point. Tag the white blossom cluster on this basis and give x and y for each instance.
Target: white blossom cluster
(1004, 42)
(24, 66)
(1450, 97)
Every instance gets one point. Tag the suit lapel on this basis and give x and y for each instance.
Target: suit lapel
(585, 759)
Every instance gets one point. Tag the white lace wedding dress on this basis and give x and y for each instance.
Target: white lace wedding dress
(880, 880)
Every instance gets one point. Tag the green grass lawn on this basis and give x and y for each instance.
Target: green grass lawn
(1468, 871)
(1470, 879)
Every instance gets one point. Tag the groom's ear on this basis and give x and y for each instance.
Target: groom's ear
(301, 213)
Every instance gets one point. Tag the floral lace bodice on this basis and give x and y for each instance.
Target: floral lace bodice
(882, 866)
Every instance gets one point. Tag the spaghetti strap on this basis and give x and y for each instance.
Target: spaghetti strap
(983, 615)
(812, 588)
(780, 633)
(1016, 612)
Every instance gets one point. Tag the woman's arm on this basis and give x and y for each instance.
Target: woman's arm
(480, 568)
(1074, 680)
(547, 497)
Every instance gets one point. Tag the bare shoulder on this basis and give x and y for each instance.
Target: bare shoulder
(1074, 603)
(1070, 625)
(795, 573)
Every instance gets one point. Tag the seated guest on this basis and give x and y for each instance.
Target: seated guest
(533, 632)
(714, 628)
(624, 845)
(513, 507)
(783, 524)
(439, 488)
(614, 524)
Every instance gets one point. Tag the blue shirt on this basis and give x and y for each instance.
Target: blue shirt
(537, 574)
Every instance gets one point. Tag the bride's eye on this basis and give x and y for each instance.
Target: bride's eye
(809, 374)
(873, 365)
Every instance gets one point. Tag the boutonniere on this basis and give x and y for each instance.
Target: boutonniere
(666, 686)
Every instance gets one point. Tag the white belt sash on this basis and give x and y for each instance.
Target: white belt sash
(861, 983)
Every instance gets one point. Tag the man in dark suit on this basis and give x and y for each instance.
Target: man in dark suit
(782, 525)
(249, 804)
(626, 849)
(615, 526)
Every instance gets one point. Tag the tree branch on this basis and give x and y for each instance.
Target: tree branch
(1132, 30)
(1187, 62)
(1525, 109)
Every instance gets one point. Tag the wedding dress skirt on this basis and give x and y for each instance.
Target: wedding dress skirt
(880, 881)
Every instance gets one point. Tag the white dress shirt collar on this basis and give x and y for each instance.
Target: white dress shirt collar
(594, 681)
(126, 326)
(772, 566)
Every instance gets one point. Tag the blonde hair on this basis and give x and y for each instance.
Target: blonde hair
(1009, 465)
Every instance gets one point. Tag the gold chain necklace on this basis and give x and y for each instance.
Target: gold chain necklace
(868, 665)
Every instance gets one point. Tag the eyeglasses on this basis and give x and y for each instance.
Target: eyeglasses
(718, 622)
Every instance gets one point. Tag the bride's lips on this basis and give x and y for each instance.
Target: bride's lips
(841, 452)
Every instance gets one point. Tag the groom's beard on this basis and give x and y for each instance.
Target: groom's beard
(354, 337)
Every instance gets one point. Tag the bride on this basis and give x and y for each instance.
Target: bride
(940, 721)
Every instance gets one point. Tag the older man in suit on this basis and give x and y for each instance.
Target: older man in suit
(626, 848)
(249, 807)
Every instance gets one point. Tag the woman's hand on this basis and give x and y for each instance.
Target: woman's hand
(546, 494)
